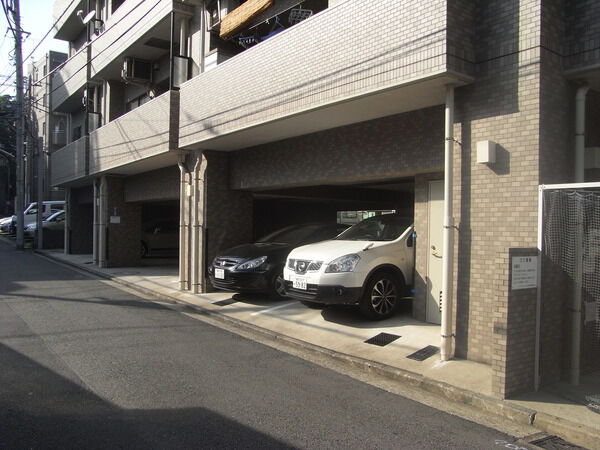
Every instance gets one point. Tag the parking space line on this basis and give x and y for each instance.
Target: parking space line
(271, 309)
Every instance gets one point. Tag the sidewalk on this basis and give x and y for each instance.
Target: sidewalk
(340, 334)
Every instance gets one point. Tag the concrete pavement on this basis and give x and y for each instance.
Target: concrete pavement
(340, 334)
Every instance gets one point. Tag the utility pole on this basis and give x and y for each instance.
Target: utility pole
(20, 123)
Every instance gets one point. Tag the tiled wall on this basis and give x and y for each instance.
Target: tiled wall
(582, 44)
(70, 162)
(392, 147)
(157, 185)
(352, 49)
(496, 204)
(144, 132)
(69, 79)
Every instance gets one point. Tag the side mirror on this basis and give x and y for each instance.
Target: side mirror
(410, 241)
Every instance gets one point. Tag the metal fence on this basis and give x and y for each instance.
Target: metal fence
(570, 251)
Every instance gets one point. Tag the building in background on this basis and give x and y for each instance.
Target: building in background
(46, 130)
(237, 117)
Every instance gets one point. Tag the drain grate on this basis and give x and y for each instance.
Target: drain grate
(424, 353)
(593, 402)
(225, 302)
(554, 443)
(382, 339)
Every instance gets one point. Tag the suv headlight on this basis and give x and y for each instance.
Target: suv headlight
(345, 263)
(252, 264)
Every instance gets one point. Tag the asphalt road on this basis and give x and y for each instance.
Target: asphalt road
(86, 365)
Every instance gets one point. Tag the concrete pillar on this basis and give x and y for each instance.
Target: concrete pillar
(119, 227)
(224, 216)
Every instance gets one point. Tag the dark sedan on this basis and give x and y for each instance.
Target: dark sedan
(258, 267)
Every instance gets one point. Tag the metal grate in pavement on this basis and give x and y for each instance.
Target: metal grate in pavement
(225, 302)
(382, 339)
(555, 443)
(424, 353)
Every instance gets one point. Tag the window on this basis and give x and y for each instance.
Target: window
(77, 133)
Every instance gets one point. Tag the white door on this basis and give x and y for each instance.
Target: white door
(435, 219)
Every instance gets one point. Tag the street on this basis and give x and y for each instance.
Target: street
(87, 365)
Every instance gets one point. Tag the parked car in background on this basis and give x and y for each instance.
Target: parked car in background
(55, 223)
(160, 237)
(5, 223)
(369, 264)
(258, 267)
(30, 213)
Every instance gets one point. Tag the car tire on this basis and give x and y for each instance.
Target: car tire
(143, 250)
(381, 295)
(277, 290)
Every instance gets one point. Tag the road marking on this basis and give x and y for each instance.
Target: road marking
(272, 309)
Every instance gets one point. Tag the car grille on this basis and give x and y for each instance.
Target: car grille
(301, 266)
(227, 262)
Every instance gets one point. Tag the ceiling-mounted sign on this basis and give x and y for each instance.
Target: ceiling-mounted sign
(524, 272)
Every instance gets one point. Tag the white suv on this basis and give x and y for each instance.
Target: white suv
(369, 264)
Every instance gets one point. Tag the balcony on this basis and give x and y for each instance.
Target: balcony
(69, 81)
(353, 62)
(138, 28)
(70, 163)
(142, 139)
(67, 25)
(132, 31)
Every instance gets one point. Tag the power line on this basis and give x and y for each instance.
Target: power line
(41, 40)
(104, 49)
(60, 66)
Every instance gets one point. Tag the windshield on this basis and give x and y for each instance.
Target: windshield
(56, 217)
(294, 234)
(386, 227)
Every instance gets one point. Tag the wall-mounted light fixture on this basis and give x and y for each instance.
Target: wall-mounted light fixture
(486, 152)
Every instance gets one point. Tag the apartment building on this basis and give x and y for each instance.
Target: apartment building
(236, 117)
(46, 130)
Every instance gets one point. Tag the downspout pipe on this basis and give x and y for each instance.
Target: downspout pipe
(184, 173)
(446, 347)
(576, 304)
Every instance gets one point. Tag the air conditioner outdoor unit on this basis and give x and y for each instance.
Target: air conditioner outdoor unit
(136, 70)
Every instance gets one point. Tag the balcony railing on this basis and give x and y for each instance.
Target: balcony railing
(147, 131)
(353, 50)
(70, 162)
(130, 23)
(69, 79)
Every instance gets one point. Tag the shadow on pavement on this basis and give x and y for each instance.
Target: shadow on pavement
(45, 410)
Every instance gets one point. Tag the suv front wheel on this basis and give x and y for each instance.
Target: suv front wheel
(381, 296)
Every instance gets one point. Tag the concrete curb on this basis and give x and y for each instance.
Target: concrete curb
(568, 430)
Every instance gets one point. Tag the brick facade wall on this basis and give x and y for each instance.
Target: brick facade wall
(582, 39)
(392, 147)
(157, 185)
(124, 237)
(80, 221)
(347, 51)
(228, 213)
(514, 320)
(495, 204)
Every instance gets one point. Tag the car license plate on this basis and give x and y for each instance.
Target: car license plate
(299, 283)
(220, 274)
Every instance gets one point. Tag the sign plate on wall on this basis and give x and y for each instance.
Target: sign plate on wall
(524, 272)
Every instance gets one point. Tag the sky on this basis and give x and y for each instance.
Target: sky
(36, 18)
